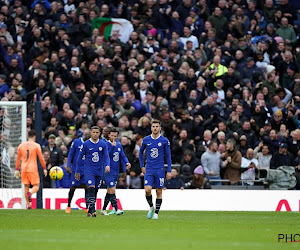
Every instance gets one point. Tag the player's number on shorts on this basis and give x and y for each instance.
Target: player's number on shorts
(116, 156)
(161, 180)
(154, 152)
(95, 157)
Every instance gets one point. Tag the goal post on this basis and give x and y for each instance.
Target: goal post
(12, 132)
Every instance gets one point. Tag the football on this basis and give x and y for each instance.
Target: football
(56, 173)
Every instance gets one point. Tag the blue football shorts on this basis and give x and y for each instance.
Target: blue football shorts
(93, 180)
(156, 177)
(74, 182)
(111, 180)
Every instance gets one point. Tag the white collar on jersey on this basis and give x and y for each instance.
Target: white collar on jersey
(156, 138)
(81, 140)
(94, 142)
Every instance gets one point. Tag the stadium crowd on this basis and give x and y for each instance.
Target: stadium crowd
(222, 76)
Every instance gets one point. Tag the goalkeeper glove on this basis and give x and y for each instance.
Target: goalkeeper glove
(17, 174)
(45, 172)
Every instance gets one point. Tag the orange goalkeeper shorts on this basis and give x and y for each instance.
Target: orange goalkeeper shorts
(32, 178)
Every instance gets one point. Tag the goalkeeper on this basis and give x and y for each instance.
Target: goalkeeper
(27, 153)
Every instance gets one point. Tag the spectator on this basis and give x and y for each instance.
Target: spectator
(56, 155)
(249, 133)
(4, 32)
(218, 21)
(250, 69)
(232, 162)
(4, 89)
(198, 179)
(248, 167)
(187, 36)
(273, 141)
(180, 145)
(47, 180)
(53, 128)
(263, 157)
(175, 182)
(282, 157)
(186, 175)
(287, 33)
(293, 143)
(211, 163)
(65, 182)
(243, 146)
(184, 9)
(189, 159)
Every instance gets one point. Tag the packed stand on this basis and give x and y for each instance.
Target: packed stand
(222, 76)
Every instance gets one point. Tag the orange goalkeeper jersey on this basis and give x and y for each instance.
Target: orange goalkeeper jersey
(28, 152)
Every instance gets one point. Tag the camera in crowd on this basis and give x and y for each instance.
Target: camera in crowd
(281, 178)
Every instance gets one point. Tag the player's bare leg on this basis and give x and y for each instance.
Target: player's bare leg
(148, 190)
(158, 203)
(28, 193)
(35, 188)
(26, 189)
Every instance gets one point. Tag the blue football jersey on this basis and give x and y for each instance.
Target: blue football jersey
(116, 153)
(156, 150)
(96, 157)
(73, 155)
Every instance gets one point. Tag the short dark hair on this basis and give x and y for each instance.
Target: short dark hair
(232, 141)
(113, 130)
(211, 143)
(31, 133)
(266, 145)
(187, 152)
(96, 127)
(175, 169)
(156, 121)
(222, 123)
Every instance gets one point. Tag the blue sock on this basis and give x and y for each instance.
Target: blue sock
(113, 201)
(92, 200)
(106, 201)
(158, 204)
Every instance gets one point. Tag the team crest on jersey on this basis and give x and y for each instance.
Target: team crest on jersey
(89, 182)
(159, 144)
(100, 148)
(146, 182)
(119, 149)
(111, 183)
(73, 182)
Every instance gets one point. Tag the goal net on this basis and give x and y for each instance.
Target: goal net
(12, 133)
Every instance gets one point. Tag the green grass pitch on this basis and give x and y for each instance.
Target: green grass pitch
(48, 229)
